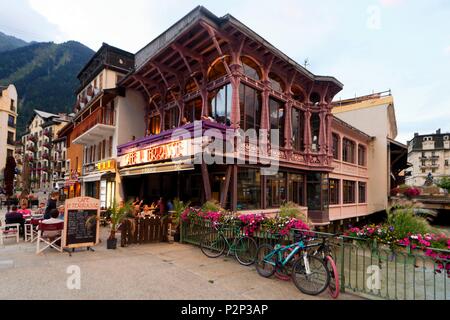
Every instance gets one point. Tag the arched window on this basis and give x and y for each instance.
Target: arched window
(250, 68)
(191, 86)
(276, 83)
(297, 129)
(250, 101)
(220, 104)
(315, 129)
(154, 125)
(315, 98)
(171, 118)
(297, 94)
(217, 69)
(276, 118)
(336, 142)
(173, 93)
(193, 110)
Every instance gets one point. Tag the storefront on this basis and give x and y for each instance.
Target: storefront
(100, 182)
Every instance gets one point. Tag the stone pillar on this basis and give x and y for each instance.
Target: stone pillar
(288, 125)
(204, 95)
(235, 103)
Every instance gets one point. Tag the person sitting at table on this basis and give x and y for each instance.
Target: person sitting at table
(147, 212)
(26, 213)
(61, 212)
(54, 218)
(41, 210)
(15, 217)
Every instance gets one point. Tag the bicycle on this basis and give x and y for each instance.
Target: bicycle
(214, 243)
(309, 273)
(324, 250)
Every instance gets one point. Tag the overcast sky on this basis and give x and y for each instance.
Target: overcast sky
(373, 45)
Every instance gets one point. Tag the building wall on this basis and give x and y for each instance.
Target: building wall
(375, 121)
(352, 172)
(5, 111)
(428, 159)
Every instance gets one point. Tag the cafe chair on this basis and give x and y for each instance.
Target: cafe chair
(50, 242)
(9, 231)
(31, 231)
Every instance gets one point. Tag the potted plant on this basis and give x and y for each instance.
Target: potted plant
(118, 213)
(178, 208)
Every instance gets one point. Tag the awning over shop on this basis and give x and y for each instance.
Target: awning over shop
(94, 177)
(156, 168)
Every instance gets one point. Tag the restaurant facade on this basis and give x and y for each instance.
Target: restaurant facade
(208, 74)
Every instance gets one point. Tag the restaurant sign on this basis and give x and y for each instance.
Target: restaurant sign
(167, 151)
(108, 165)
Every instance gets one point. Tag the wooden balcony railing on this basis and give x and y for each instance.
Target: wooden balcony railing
(99, 116)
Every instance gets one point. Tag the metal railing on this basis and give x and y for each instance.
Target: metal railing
(367, 268)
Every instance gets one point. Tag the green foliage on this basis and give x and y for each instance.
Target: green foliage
(444, 183)
(179, 206)
(212, 206)
(404, 221)
(45, 75)
(118, 214)
(291, 210)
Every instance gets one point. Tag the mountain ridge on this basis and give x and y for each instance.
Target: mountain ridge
(45, 75)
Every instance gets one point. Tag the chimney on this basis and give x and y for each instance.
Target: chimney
(416, 134)
(438, 131)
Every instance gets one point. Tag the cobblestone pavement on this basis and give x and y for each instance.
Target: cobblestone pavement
(150, 271)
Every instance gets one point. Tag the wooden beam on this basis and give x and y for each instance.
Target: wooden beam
(226, 187)
(206, 183)
(188, 52)
(210, 29)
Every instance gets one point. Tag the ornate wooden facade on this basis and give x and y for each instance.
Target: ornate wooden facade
(209, 67)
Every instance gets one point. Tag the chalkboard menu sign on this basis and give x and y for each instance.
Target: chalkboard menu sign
(81, 222)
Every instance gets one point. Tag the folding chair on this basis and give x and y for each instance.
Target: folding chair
(31, 231)
(49, 241)
(9, 231)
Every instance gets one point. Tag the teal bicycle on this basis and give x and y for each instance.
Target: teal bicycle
(309, 273)
(214, 244)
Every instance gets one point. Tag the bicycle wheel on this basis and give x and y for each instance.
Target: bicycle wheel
(213, 245)
(333, 287)
(316, 281)
(245, 250)
(263, 266)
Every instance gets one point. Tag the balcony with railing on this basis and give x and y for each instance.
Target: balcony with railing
(94, 127)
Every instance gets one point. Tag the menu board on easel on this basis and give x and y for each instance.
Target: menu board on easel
(81, 222)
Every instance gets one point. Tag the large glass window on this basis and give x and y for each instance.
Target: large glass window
(348, 150)
(250, 68)
(297, 129)
(276, 118)
(220, 104)
(275, 82)
(334, 191)
(297, 188)
(154, 125)
(314, 191)
(250, 107)
(249, 189)
(193, 110)
(171, 118)
(361, 155)
(362, 191)
(349, 190)
(218, 70)
(276, 190)
(315, 129)
(335, 146)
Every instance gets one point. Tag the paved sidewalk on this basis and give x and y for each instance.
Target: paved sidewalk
(150, 271)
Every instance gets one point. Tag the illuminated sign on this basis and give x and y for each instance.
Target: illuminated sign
(166, 151)
(106, 165)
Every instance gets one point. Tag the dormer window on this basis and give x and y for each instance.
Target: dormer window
(428, 139)
(446, 138)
